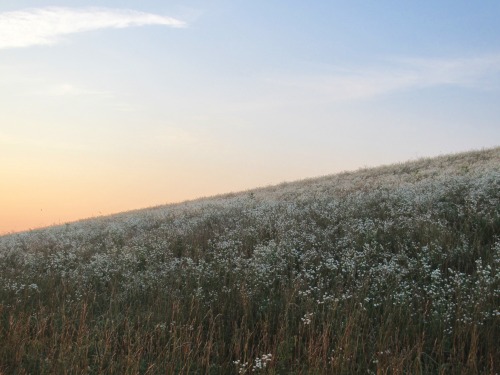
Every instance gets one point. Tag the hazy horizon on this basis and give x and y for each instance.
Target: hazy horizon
(246, 191)
(115, 106)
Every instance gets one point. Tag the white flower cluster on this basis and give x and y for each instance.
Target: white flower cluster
(307, 318)
(259, 363)
(242, 366)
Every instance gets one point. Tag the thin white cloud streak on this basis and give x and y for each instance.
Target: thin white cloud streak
(46, 26)
(340, 84)
(395, 76)
(68, 89)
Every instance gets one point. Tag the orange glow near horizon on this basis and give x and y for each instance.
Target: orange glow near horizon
(36, 196)
(40, 203)
(44, 186)
(24, 210)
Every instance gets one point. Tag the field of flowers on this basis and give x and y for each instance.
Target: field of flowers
(388, 270)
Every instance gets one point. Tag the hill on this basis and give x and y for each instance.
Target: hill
(393, 269)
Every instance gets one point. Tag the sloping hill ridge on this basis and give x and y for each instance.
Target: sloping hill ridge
(392, 269)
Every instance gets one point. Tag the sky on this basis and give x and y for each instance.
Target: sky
(114, 105)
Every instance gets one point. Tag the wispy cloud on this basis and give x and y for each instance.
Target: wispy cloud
(395, 75)
(68, 89)
(46, 26)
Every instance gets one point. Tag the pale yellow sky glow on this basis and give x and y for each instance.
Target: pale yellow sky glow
(110, 107)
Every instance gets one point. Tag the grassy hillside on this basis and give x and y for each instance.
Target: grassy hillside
(387, 270)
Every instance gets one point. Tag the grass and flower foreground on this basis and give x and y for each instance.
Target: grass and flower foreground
(388, 270)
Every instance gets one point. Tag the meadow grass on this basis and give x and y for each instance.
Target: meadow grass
(391, 270)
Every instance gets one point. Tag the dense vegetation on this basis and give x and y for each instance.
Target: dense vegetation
(387, 270)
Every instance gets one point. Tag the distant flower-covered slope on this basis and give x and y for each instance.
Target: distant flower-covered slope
(395, 268)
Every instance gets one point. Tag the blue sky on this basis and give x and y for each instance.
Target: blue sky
(116, 105)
